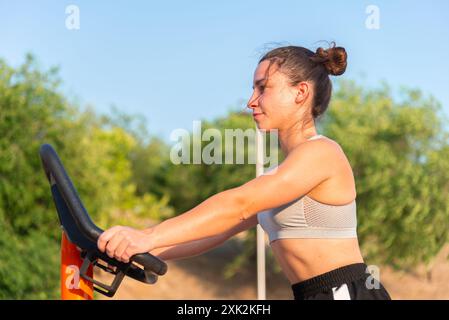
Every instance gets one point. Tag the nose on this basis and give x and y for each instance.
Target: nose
(253, 101)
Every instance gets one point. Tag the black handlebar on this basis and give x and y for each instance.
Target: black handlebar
(59, 179)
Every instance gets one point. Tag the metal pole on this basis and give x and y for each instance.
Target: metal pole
(261, 288)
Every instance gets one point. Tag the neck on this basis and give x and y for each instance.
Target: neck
(290, 138)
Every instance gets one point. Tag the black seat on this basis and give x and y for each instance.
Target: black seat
(81, 231)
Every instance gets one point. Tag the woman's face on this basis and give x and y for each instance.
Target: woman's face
(274, 103)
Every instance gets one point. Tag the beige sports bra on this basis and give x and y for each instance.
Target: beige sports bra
(308, 218)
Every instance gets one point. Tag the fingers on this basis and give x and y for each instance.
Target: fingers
(120, 252)
(122, 242)
(113, 244)
(106, 236)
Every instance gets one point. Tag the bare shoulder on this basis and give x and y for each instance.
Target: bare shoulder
(310, 165)
(324, 155)
(325, 149)
(340, 187)
(336, 150)
(332, 145)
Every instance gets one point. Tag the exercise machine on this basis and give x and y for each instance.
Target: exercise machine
(79, 251)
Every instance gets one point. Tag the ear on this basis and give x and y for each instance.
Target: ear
(303, 92)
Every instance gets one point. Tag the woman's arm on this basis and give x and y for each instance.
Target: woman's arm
(198, 247)
(305, 167)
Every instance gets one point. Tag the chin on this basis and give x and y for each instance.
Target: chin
(263, 126)
(260, 126)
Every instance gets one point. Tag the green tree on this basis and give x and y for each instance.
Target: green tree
(399, 152)
(96, 156)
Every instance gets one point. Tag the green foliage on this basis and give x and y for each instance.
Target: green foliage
(27, 99)
(399, 154)
(149, 162)
(29, 267)
(96, 155)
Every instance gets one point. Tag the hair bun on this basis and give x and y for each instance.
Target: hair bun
(333, 59)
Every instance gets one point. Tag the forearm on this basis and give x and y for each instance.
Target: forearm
(217, 215)
(188, 249)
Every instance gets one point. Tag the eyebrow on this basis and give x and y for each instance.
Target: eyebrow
(258, 82)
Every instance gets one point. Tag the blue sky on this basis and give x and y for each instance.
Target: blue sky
(175, 62)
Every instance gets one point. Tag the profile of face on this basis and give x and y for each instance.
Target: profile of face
(275, 103)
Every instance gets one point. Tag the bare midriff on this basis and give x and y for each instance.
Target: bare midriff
(302, 259)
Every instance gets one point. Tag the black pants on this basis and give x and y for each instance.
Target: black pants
(351, 282)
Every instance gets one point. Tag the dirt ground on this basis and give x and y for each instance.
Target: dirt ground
(200, 278)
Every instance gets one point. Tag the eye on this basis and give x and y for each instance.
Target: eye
(261, 88)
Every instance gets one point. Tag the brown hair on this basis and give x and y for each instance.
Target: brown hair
(301, 64)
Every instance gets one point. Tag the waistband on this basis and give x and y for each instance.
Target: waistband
(329, 280)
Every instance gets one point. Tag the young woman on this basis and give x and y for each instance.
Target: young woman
(307, 205)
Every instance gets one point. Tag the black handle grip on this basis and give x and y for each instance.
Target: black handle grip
(56, 174)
